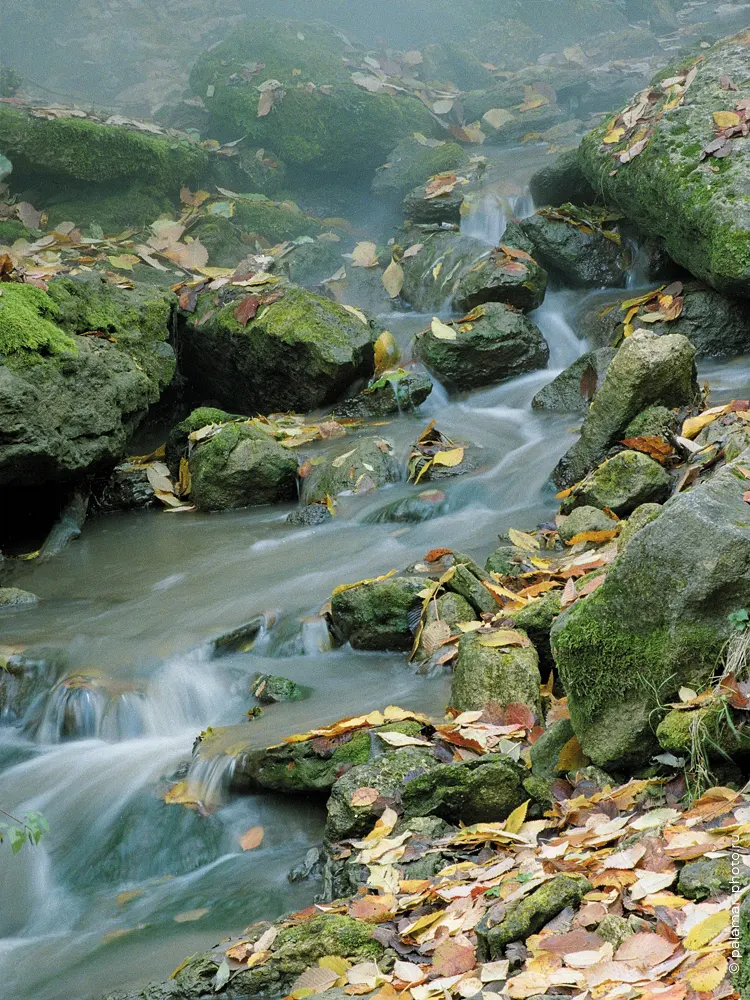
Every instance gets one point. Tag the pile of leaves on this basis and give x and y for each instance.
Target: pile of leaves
(589, 220)
(728, 125)
(662, 305)
(433, 448)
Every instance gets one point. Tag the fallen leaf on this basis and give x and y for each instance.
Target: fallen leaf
(356, 312)
(707, 973)
(504, 637)
(497, 117)
(365, 255)
(645, 950)
(373, 909)
(451, 958)
(726, 119)
(364, 796)
(252, 838)
(403, 740)
(187, 916)
(393, 279)
(449, 458)
(522, 540)
(247, 309)
(442, 331)
(386, 351)
(571, 756)
(704, 932)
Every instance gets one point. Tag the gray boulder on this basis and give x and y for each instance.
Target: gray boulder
(499, 343)
(579, 255)
(582, 519)
(573, 389)
(356, 466)
(621, 484)
(13, 597)
(505, 675)
(646, 370)
(483, 791)
(659, 621)
(561, 182)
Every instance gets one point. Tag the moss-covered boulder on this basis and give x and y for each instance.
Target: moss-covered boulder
(622, 483)
(641, 516)
(561, 182)
(573, 389)
(657, 622)
(413, 162)
(421, 208)
(241, 466)
(699, 206)
(526, 916)
(545, 752)
(503, 675)
(483, 791)
(393, 392)
(717, 325)
(351, 467)
(710, 728)
(376, 615)
(575, 251)
(317, 118)
(80, 365)
(495, 343)
(646, 370)
(299, 352)
(583, 518)
(465, 272)
(536, 620)
(710, 877)
(177, 445)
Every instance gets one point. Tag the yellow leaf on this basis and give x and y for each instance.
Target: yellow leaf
(694, 425)
(365, 254)
(449, 458)
(522, 540)
(338, 462)
(355, 312)
(571, 757)
(504, 637)
(386, 351)
(708, 973)
(360, 583)
(707, 929)
(393, 279)
(613, 136)
(726, 119)
(497, 117)
(442, 331)
(437, 269)
(125, 261)
(517, 818)
(534, 101)
(335, 963)
(593, 536)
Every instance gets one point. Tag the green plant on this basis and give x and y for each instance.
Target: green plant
(30, 827)
(739, 620)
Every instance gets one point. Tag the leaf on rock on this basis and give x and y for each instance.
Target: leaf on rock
(523, 540)
(504, 637)
(497, 117)
(365, 254)
(653, 445)
(440, 184)
(247, 309)
(726, 119)
(356, 312)
(442, 331)
(572, 757)
(393, 279)
(403, 740)
(449, 458)
(373, 909)
(364, 796)
(434, 635)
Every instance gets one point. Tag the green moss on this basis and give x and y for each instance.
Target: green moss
(742, 980)
(710, 877)
(297, 948)
(114, 207)
(86, 151)
(27, 316)
(709, 727)
(12, 230)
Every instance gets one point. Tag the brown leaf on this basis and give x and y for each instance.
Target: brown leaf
(364, 796)
(572, 757)
(373, 909)
(453, 959)
(247, 309)
(252, 838)
(654, 446)
(644, 950)
(518, 714)
(589, 383)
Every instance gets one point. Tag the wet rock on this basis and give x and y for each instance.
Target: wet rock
(527, 916)
(464, 272)
(23, 679)
(420, 208)
(536, 620)
(484, 674)
(376, 615)
(268, 689)
(411, 163)
(241, 466)
(647, 370)
(242, 638)
(311, 516)
(483, 791)
(127, 488)
(298, 353)
(584, 519)
(621, 484)
(731, 434)
(562, 182)
(469, 585)
(13, 597)
(666, 189)
(545, 752)
(641, 516)
(718, 326)
(573, 389)
(352, 466)
(394, 392)
(69, 402)
(505, 560)
(579, 256)
(389, 773)
(710, 877)
(499, 344)
(343, 131)
(68, 525)
(658, 621)
(414, 509)
(178, 443)
(654, 421)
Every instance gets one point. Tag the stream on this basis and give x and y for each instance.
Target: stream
(123, 887)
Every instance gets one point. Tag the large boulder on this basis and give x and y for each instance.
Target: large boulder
(80, 365)
(299, 352)
(412, 162)
(699, 206)
(573, 389)
(621, 484)
(561, 182)
(483, 791)
(352, 466)
(457, 270)
(494, 343)
(718, 326)
(504, 675)
(288, 86)
(241, 466)
(375, 615)
(647, 370)
(580, 251)
(659, 621)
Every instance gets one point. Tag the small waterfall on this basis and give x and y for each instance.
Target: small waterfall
(564, 346)
(489, 215)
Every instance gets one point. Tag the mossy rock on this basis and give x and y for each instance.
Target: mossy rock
(580, 258)
(505, 560)
(390, 773)
(112, 207)
(466, 272)
(300, 352)
(742, 979)
(394, 392)
(484, 791)
(241, 466)
(710, 877)
(376, 615)
(621, 484)
(718, 325)
(484, 674)
(177, 439)
(352, 466)
(270, 688)
(12, 230)
(545, 752)
(411, 163)
(536, 620)
(561, 182)
(573, 389)
(70, 402)
(81, 150)
(468, 584)
(341, 130)
(654, 421)
(699, 208)
(500, 344)
(421, 210)
(527, 916)
(659, 620)
(709, 727)
(584, 519)
(641, 516)
(647, 370)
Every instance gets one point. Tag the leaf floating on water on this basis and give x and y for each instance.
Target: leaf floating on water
(442, 331)
(393, 279)
(252, 838)
(188, 916)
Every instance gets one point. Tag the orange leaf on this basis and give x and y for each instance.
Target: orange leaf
(593, 536)
(364, 796)
(252, 838)
(373, 909)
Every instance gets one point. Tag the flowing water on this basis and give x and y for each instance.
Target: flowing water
(124, 886)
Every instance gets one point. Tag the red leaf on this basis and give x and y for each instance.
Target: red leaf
(517, 714)
(247, 309)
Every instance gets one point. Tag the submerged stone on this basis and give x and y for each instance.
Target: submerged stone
(268, 689)
(14, 597)
(394, 392)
